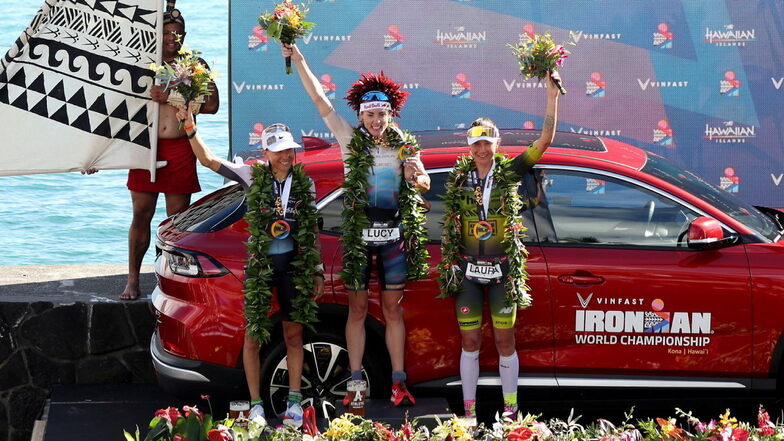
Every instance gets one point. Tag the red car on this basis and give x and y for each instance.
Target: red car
(642, 274)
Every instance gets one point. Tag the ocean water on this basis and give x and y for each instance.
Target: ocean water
(69, 218)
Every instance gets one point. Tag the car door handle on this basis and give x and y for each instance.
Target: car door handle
(580, 279)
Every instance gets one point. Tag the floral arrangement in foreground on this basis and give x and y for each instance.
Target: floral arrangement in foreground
(538, 56)
(190, 424)
(286, 23)
(187, 75)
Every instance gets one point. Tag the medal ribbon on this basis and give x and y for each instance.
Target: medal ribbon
(486, 188)
(281, 192)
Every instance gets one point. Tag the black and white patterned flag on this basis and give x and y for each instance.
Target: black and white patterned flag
(74, 88)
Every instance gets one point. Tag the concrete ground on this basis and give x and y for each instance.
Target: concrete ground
(69, 283)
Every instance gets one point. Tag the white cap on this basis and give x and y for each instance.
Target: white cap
(277, 138)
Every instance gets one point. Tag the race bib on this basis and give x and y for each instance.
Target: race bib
(380, 235)
(484, 272)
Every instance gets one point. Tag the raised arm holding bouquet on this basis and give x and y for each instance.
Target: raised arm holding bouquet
(286, 23)
(539, 56)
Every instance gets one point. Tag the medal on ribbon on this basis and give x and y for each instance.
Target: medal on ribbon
(483, 230)
(280, 229)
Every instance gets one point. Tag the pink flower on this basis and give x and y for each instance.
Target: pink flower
(179, 437)
(195, 410)
(170, 414)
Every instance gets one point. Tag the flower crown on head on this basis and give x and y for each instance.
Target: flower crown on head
(377, 82)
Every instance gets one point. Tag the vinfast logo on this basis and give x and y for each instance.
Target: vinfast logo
(729, 36)
(645, 84)
(394, 40)
(410, 86)
(258, 39)
(318, 37)
(460, 38)
(730, 181)
(576, 36)
(524, 84)
(777, 82)
(654, 327)
(594, 132)
(729, 132)
(315, 134)
(662, 38)
(663, 134)
(777, 179)
(256, 87)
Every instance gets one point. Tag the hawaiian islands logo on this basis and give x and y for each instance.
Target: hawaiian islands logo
(258, 39)
(394, 40)
(729, 36)
(527, 33)
(461, 87)
(729, 133)
(576, 36)
(460, 38)
(254, 137)
(730, 85)
(654, 327)
(663, 37)
(595, 186)
(528, 125)
(644, 85)
(594, 132)
(730, 181)
(328, 86)
(595, 87)
(663, 135)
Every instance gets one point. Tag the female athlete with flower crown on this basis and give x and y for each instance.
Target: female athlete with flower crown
(382, 215)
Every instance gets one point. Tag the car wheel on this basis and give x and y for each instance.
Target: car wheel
(325, 372)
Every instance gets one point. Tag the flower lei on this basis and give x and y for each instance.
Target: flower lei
(355, 219)
(258, 273)
(450, 275)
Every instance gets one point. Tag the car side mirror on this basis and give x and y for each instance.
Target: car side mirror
(706, 234)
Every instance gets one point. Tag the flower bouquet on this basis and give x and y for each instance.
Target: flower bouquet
(187, 75)
(538, 56)
(286, 23)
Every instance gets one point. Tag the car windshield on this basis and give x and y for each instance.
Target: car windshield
(738, 209)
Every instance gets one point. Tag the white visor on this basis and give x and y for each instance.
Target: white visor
(278, 140)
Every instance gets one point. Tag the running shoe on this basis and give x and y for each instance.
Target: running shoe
(400, 395)
(293, 415)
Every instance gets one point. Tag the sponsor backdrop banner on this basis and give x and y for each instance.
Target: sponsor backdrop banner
(697, 81)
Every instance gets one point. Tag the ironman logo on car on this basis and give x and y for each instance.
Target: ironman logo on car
(655, 327)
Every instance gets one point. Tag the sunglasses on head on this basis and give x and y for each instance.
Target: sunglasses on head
(375, 95)
(477, 131)
(274, 128)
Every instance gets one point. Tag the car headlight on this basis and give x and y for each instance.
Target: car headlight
(192, 263)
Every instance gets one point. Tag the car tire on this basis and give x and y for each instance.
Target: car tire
(325, 371)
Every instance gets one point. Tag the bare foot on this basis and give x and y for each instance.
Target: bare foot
(131, 292)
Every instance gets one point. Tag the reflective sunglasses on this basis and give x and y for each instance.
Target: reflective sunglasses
(375, 95)
(477, 131)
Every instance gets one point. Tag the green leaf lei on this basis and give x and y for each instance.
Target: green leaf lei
(450, 275)
(258, 273)
(355, 219)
